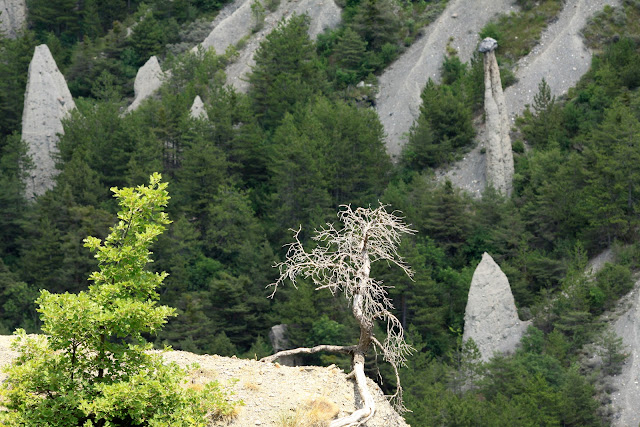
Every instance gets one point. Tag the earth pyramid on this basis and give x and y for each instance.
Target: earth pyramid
(47, 101)
(491, 318)
(498, 142)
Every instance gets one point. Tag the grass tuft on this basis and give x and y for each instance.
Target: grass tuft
(317, 412)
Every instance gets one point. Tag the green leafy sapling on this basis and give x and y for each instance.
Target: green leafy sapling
(92, 366)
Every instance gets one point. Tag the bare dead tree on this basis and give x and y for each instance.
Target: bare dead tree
(342, 263)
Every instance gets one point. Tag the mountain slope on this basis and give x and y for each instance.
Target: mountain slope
(398, 102)
(561, 58)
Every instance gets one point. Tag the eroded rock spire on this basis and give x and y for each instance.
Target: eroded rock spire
(47, 101)
(197, 109)
(148, 80)
(491, 318)
(498, 142)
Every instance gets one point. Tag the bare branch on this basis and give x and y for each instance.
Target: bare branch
(396, 398)
(343, 349)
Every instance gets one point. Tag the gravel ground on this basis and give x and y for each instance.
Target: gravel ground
(597, 263)
(398, 102)
(270, 391)
(6, 354)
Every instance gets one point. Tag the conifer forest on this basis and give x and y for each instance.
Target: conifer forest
(303, 141)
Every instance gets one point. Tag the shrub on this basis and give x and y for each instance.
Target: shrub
(615, 279)
(92, 366)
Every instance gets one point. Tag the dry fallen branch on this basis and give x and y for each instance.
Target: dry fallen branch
(342, 263)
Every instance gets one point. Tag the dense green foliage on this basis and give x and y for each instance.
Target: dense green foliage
(91, 366)
(518, 32)
(444, 127)
(272, 160)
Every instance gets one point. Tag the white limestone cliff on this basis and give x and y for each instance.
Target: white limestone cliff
(498, 142)
(197, 109)
(13, 16)
(491, 318)
(47, 101)
(148, 80)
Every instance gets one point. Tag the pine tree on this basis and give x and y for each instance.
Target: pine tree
(13, 204)
(300, 193)
(612, 171)
(59, 17)
(91, 25)
(376, 23)
(148, 38)
(544, 124)
(15, 55)
(348, 53)
(355, 163)
(286, 71)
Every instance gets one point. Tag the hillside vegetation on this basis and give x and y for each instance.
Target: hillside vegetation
(300, 143)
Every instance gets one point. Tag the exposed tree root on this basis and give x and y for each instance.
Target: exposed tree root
(330, 348)
(368, 409)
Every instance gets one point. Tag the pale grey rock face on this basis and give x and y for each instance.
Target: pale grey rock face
(47, 101)
(197, 109)
(148, 80)
(13, 16)
(234, 22)
(491, 318)
(324, 14)
(279, 338)
(498, 142)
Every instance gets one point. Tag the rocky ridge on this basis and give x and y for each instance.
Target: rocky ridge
(229, 26)
(561, 57)
(270, 392)
(47, 101)
(148, 80)
(626, 397)
(497, 140)
(13, 16)
(491, 318)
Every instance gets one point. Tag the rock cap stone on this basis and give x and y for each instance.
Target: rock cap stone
(487, 45)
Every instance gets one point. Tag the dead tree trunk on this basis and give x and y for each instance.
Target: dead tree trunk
(344, 264)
